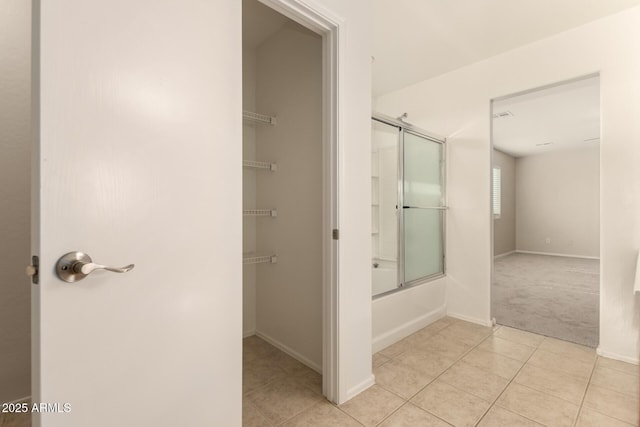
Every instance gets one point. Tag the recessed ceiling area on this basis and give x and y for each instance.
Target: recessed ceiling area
(414, 40)
(562, 117)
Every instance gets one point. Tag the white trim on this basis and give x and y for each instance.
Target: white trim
(291, 352)
(36, 372)
(321, 20)
(250, 333)
(502, 255)
(406, 329)
(556, 254)
(614, 356)
(487, 322)
(354, 391)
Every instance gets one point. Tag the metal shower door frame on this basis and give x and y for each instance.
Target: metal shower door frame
(404, 128)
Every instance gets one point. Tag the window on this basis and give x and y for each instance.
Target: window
(496, 202)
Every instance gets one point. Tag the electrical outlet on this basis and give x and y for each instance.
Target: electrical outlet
(547, 240)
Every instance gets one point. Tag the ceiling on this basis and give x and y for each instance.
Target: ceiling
(259, 22)
(561, 117)
(414, 40)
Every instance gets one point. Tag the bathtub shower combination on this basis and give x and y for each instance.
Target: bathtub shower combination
(407, 205)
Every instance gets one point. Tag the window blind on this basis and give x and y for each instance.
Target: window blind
(495, 197)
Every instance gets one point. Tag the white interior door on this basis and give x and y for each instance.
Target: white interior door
(139, 163)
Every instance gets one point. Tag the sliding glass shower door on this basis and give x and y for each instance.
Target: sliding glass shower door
(407, 193)
(422, 208)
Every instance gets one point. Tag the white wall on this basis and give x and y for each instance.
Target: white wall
(459, 106)
(402, 313)
(289, 293)
(557, 198)
(354, 217)
(15, 93)
(504, 228)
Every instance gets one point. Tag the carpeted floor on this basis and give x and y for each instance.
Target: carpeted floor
(548, 295)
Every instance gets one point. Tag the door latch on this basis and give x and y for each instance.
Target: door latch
(75, 266)
(336, 234)
(33, 270)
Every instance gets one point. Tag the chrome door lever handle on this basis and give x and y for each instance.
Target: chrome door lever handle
(88, 268)
(75, 266)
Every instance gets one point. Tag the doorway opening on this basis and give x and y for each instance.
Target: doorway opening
(546, 210)
(15, 178)
(289, 208)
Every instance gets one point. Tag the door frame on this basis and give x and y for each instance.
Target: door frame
(328, 26)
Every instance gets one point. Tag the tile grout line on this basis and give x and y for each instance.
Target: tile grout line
(425, 386)
(264, 385)
(347, 414)
(584, 396)
(258, 410)
(392, 412)
(507, 386)
(344, 412)
(286, 376)
(493, 403)
(551, 369)
(297, 413)
(608, 389)
(289, 376)
(437, 376)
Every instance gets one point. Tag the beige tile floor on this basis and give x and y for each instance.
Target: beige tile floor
(451, 373)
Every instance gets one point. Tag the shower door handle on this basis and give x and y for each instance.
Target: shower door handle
(75, 266)
(441, 208)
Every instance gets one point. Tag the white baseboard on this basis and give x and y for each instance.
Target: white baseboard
(354, 391)
(406, 329)
(504, 254)
(482, 322)
(291, 352)
(555, 254)
(610, 355)
(248, 333)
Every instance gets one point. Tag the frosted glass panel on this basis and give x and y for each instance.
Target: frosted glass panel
(422, 176)
(422, 191)
(422, 243)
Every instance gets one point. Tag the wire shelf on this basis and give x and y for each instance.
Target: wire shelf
(254, 164)
(260, 212)
(257, 118)
(259, 259)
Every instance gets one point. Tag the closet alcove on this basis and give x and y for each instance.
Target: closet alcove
(282, 190)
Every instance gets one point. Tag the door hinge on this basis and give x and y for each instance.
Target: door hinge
(33, 270)
(336, 234)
